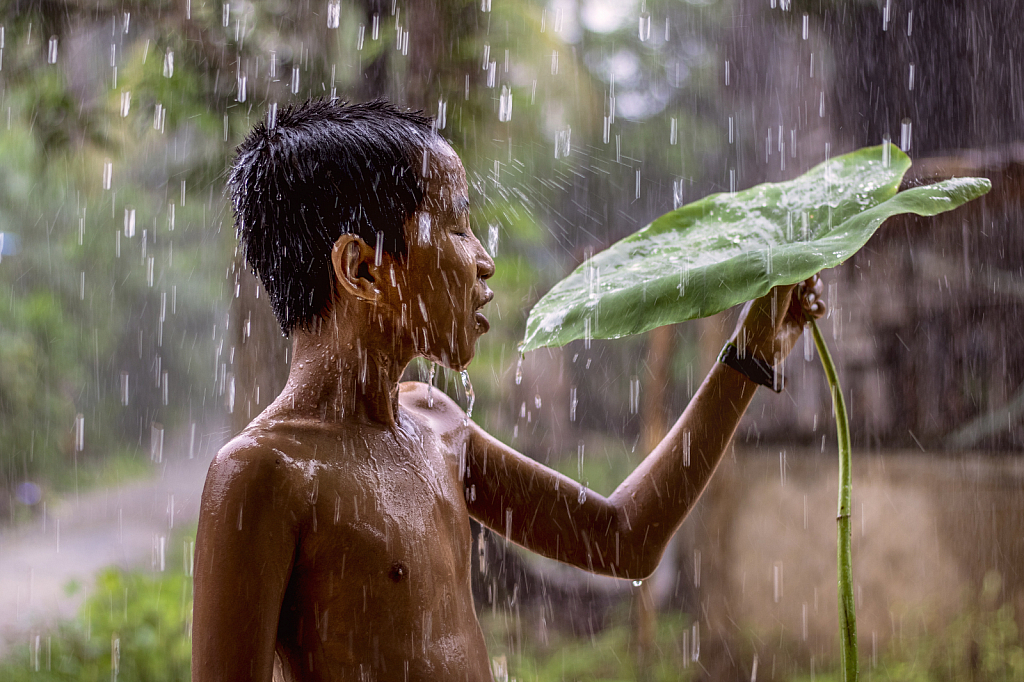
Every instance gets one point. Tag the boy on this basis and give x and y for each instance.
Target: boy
(334, 530)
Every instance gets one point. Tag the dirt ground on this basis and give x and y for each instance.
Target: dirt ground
(79, 536)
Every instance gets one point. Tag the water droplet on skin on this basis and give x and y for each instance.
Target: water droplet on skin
(430, 385)
(638, 583)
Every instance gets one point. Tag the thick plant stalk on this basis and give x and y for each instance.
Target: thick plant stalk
(847, 616)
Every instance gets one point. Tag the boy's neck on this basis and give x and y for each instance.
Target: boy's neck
(344, 371)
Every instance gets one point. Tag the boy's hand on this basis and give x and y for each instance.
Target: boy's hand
(770, 326)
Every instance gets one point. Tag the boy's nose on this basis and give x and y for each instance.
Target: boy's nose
(484, 264)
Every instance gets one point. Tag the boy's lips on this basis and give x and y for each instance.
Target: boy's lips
(478, 315)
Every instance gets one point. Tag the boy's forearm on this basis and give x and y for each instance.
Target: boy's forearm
(658, 495)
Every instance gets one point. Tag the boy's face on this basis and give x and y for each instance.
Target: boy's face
(439, 287)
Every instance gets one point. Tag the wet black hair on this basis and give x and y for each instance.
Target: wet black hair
(322, 169)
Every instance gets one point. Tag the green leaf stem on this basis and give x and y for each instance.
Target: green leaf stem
(844, 558)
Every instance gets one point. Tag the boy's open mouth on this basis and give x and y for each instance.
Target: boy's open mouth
(478, 315)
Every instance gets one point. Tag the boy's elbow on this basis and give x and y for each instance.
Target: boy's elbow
(641, 567)
(638, 554)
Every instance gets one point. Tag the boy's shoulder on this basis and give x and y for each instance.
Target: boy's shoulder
(431, 402)
(256, 456)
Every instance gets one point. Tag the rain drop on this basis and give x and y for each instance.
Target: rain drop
(563, 143)
(645, 25)
(159, 116)
(51, 52)
(442, 113)
(333, 13)
(129, 222)
(295, 80)
(905, 130)
(519, 370)
(492, 239)
(126, 103)
(168, 64)
(505, 104)
(79, 432)
(108, 171)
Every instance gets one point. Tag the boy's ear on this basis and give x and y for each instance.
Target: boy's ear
(354, 265)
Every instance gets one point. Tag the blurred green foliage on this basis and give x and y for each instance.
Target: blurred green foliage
(981, 645)
(607, 655)
(133, 626)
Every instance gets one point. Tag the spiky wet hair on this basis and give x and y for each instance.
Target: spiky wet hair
(323, 169)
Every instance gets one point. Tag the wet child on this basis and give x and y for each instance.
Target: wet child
(334, 531)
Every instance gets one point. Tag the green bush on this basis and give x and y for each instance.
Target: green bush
(134, 627)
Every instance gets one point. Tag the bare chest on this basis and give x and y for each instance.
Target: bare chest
(384, 528)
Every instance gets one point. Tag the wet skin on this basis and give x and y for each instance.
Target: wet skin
(334, 530)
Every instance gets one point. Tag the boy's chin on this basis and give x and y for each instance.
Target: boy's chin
(455, 363)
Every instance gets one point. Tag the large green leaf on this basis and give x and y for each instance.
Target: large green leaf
(729, 248)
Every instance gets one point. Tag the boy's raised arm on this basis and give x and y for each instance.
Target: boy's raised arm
(246, 546)
(625, 534)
